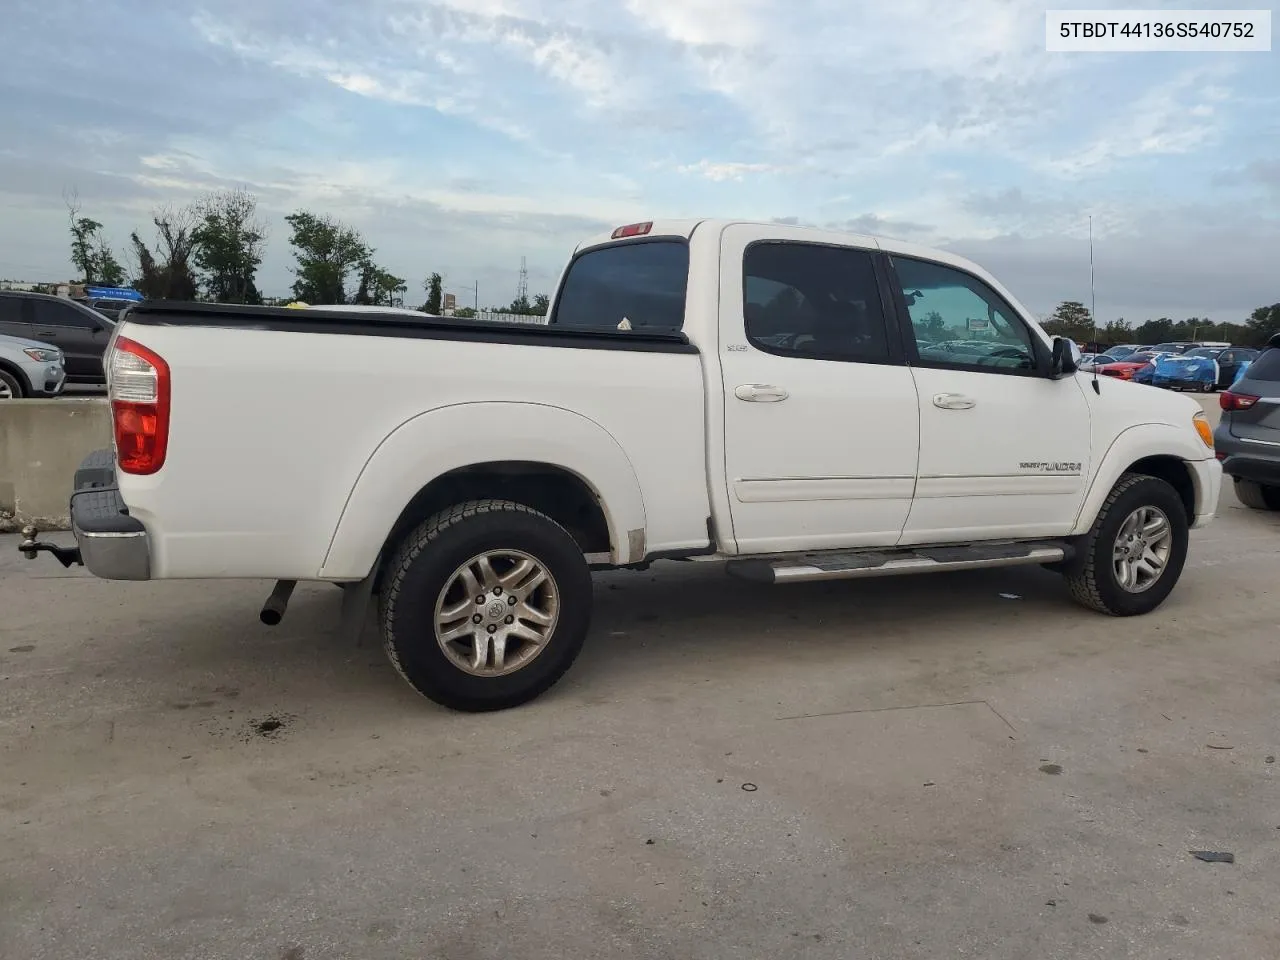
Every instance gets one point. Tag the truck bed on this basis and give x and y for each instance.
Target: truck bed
(279, 413)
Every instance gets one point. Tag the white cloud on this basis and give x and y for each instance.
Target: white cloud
(728, 171)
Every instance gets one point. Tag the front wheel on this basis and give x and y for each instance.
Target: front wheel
(10, 386)
(486, 605)
(1133, 555)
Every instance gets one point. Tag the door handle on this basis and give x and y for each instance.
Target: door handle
(760, 393)
(953, 401)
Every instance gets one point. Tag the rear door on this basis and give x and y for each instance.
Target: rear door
(77, 331)
(821, 428)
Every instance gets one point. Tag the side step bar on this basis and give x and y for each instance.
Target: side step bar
(851, 564)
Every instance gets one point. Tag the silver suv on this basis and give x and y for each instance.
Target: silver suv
(1248, 436)
(29, 368)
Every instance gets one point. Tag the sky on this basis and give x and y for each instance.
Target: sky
(462, 135)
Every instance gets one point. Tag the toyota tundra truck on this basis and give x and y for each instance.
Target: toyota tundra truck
(795, 403)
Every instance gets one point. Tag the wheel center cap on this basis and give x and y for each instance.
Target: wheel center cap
(496, 610)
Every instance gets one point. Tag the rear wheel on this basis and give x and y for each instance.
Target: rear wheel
(486, 605)
(1257, 496)
(1132, 557)
(10, 386)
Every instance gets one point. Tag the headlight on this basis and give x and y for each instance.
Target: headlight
(1201, 423)
(43, 356)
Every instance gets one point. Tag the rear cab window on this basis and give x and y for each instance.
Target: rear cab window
(643, 282)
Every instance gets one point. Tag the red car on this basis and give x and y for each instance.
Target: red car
(1126, 368)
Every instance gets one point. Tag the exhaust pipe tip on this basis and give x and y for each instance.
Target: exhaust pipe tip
(273, 610)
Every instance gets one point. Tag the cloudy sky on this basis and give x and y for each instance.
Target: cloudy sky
(460, 135)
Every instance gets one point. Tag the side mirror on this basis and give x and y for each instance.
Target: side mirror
(1065, 359)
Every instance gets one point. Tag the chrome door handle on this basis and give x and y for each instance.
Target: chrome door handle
(760, 393)
(953, 401)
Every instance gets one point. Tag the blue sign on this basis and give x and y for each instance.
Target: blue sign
(114, 293)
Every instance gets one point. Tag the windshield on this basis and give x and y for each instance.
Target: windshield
(1210, 352)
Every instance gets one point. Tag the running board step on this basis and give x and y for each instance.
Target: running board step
(850, 564)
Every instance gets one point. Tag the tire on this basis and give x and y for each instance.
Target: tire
(1257, 496)
(1094, 582)
(10, 386)
(424, 578)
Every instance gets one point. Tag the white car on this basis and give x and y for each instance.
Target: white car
(29, 368)
(709, 390)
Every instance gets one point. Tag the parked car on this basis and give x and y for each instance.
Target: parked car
(1248, 434)
(1121, 351)
(677, 405)
(1174, 346)
(1126, 369)
(30, 369)
(1232, 362)
(1197, 369)
(80, 333)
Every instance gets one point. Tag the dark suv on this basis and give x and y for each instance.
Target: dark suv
(80, 333)
(1248, 435)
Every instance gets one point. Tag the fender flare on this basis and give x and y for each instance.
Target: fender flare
(1132, 444)
(445, 439)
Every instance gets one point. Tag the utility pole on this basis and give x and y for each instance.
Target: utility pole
(522, 290)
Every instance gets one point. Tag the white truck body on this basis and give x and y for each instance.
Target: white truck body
(708, 440)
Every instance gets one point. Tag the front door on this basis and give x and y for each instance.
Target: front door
(1004, 450)
(821, 430)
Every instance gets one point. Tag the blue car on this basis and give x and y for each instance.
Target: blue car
(1196, 369)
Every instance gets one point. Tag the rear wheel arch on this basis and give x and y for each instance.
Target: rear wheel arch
(556, 461)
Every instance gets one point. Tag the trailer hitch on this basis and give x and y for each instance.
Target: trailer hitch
(30, 548)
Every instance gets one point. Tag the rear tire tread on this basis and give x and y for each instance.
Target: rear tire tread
(424, 536)
(1256, 496)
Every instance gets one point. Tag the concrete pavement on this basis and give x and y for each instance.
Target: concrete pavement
(961, 765)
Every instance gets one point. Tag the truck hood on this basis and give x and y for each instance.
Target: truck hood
(1121, 401)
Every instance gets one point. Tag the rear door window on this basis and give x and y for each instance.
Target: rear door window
(1266, 367)
(10, 310)
(51, 313)
(643, 282)
(807, 300)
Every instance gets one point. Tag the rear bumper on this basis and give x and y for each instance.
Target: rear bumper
(113, 545)
(1242, 466)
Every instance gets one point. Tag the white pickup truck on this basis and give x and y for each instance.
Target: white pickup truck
(801, 404)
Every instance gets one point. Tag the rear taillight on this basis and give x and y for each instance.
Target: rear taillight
(138, 386)
(1236, 401)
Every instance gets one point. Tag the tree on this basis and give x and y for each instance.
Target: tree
(1262, 324)
(1115, 332)
(229, 243)
(1154, 331)
(90, 253)
(167, 274)
(1070, 319)
(377, 285)
(435, 294)
(932, 328)
(465, 313)
(541, 303)
(327, 252)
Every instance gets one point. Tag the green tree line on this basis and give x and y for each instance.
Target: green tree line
(212, 248)
(1073, 319)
